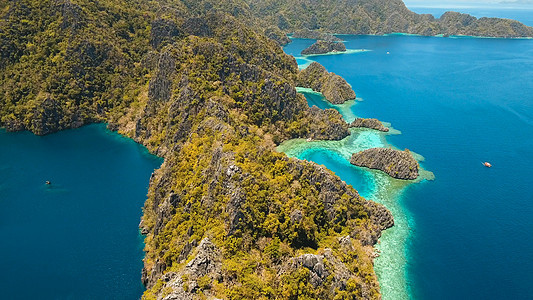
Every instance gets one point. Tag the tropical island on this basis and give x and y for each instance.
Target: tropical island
(396, 163)
(369, 123)
(206, 86)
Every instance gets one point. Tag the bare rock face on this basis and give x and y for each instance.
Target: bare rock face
(369, 123)
(184, 284)
(326, 266)
(398, 164)
(334, 88)
(321, 47)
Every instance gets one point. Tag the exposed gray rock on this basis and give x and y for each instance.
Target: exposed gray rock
(207, 261)
(160, 86)
(321, 266)
(398, 164)
(187, 250)
(369, 123)
(334, 88)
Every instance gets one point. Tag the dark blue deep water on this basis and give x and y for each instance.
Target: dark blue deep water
(458, 102)
(78, 237)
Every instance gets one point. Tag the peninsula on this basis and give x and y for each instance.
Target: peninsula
(334, 88)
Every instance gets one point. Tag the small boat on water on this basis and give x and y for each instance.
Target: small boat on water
(487, 164)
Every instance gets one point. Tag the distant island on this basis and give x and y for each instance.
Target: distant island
(377, 17)
(206, 85)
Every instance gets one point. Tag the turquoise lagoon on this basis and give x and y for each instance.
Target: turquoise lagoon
(76, 238)
(457, 102)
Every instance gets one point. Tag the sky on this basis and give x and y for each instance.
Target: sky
(470, 3)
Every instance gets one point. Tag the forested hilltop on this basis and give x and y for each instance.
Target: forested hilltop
(227, 216)
(377, 17)
(200, 84)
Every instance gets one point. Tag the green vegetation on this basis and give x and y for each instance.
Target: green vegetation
(199, 83)
(376, 17)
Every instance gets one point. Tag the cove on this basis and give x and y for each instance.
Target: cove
(458, 102)
(76, 238)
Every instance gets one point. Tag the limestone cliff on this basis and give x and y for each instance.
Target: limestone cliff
(398, 164)
(200, 84)
(215, 110)
(377, 17)
(334, 88)
(321, 47)
(369, 123)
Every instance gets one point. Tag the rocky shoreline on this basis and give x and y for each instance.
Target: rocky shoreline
(334, 88)
(398, 164)
(369, 123)
(207, 87)
(323, 47)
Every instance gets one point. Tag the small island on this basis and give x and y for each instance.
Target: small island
(396, 163)
(334, 88)
(323, 47)
(369, 123)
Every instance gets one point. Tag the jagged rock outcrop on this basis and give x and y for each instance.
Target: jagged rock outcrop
(369, 123)
(204, 268)
(321, 47)
(321, 266)
(322, 128)
(314, 19)
(334, 88)
(213, 97)
(398, 164)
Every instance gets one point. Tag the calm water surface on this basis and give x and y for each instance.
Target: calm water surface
(78, 237)
(458, 102)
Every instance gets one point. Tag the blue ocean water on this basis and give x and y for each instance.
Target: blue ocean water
(458, 102)
(76, 238)
(524, 15)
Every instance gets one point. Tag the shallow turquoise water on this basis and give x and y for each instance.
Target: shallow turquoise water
(457, 102)
(78, 237)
